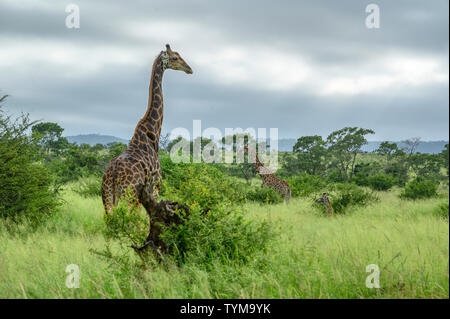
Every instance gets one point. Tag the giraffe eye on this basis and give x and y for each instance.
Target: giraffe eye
(173, 59)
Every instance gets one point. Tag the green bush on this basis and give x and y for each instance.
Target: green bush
(381, 182)
(305, 185)
(76, 162)
(200, 184)
(25, 184)
(127, 223)
(216, 228)
(348, 195)
(88, 187)
(364, 171)
(213, 232)
(419, 188)
(442, 211)
(217, 236)
(264, 195)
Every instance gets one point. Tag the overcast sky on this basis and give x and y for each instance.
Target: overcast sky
(304, 67)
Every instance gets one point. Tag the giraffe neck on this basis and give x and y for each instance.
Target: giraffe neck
(151, 123)
(328, 206)
(259, 166)
(257, 161)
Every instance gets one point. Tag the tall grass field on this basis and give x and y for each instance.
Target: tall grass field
(308, 256)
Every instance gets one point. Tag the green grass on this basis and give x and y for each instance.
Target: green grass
(312, 256)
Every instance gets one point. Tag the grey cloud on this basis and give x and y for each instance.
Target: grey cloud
(328, 33)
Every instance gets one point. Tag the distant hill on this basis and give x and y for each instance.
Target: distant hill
(431, 147)
(93, 139)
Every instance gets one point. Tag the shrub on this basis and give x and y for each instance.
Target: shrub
(127, 222)
(305, 185)
(75, 162)
(222, 233)
(88, 187)
(363, 173)
(264, 195)
(214, 230)
(200, 184)
(347, 195)
(442, 211)
(25, 184)
(222, 236)
(381, 182)
(419, 188)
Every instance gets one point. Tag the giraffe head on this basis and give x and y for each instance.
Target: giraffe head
(172, 60)
(322, 199)
(251, 151)
(246, 149)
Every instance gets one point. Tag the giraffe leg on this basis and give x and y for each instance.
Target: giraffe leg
(287, 195)
(108, 191)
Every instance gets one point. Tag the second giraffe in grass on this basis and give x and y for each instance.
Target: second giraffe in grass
(325, 199)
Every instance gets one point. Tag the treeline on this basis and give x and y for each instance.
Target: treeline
(69, 162)
(339, 158)
(36, 161)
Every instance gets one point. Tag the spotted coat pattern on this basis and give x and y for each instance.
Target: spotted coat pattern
(325, 199)
(270, 180)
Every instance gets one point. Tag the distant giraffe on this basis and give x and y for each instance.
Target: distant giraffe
(138, 166)
(269, 179)
(325, 199)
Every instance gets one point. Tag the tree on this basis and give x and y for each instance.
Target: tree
(388, 150)
(115, 149)
(410, 146)
(49, 137)
(444, 158)
(204, 141)
(25, 185)
(427, 166)
(345, 144)
(311, 151)
(237, 141)
(164, 141)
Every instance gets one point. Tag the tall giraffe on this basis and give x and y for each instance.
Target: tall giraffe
(269, 179)
(325, 199)
(138, 166)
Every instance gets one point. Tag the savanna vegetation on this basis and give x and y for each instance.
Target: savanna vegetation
(240, 240)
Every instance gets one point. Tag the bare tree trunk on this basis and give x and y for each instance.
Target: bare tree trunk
(353, 165)
(160, 214)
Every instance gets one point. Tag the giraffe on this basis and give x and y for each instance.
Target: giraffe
(325, 199)
(138, 166)
(269, 179)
